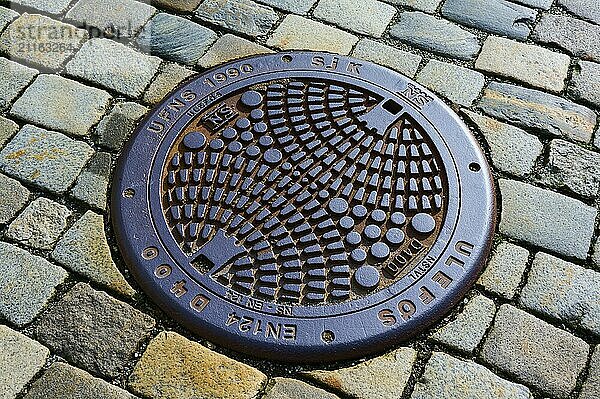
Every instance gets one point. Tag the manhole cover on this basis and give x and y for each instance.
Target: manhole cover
(303, 206)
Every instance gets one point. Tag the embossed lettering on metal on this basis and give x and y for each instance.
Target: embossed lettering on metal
(304, 206)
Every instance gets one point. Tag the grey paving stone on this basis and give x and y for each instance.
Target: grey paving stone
(505, 270)
(49, 6)
(535, 352)
(287, 388)
(115, 128)
(44, 158)
(543, 4)
(586, 9)
(14, 197)
(8, 129)
(535, 109)
(84, 249)
(178, 5)
(402, 61)
(527, 63)
(26, 284)
(116, 19)
(243, 16)
(591, 386)
(564, 291)
(573, 167)
(170, 76)
(466, 331)
(596, 254)
(459, 85)
(6, 17)
(62, 104)
(380, 378)
(20, 360)
(162, 36)
(114, 66)
(41, 41)
(448, 377)
(103, 337)
(368, 17)
(40, 224)
(295, 6)
(423, 5)
(298, 33)
(435, 35)
(496, 16)
(545, 218)
(14, 78)
(230, 47)
(92, 184)
(585, 83)
(578, 37)
(63, 381)
(512, 149)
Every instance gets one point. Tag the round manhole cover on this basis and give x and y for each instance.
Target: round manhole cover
(303, 206)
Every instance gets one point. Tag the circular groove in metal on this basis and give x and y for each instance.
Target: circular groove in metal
(303, 206)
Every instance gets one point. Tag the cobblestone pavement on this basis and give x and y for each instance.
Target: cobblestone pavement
(76, 76)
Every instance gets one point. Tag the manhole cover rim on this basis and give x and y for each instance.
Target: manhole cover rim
(348, 341)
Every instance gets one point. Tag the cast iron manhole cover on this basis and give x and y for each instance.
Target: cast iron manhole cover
(303, 206)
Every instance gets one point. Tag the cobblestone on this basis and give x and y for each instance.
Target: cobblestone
(84, 249)
(44, 158)
(67, 382)
(466, 331)
(368, 17)
(14, 197)
(287, 388)
(535, 352)
(102, 338)
(179, 5)
(6, 17)
(230, 47)
(459, 85)
(8, 129)
(402, 61)
(175, 367)
(163, 37)
(49, 6)
(534, 109)
(62, 104)
(578, 37)
(496, 16)
(119, 18)
(114, 66)
(527, 63)
(543, 4)
(585, 83)
(505, 270)
(115, 128)
(169, 77)
(15, 77)
(92, 184)
(596, 254)
(20, 360)
(298, 33)
(587, 9)
(40, 224)
(448, 377)
(591, 386)
(295, 6)
(422, 5)
(563, 291)
(41, 41)
(435, 35)
(512, 149)
(380, 378)
(545, 218)
(573, 167)
(26, 284)
(244, 16)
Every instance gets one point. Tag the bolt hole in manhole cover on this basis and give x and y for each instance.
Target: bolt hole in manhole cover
(304, 207)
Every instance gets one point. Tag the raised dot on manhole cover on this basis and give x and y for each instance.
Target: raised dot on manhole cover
(288, 195)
